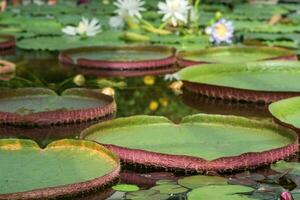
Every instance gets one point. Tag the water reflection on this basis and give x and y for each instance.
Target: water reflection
(45, 135)
(225, 107)
(118, 73)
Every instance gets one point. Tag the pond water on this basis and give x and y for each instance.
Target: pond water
(152, 95)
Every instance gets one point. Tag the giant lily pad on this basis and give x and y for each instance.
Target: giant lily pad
(287, 112)
(199, 143)
(259, 81)
(234, 54)
(7, 42)
(63, 168)
(124, 57)
(37, 106)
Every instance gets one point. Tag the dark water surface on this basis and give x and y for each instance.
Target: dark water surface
(142, 95)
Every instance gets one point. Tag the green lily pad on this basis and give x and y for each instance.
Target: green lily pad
(234, 54)
(259, 81)
(287, 111)
(169, 189)
(224, 192)
(146, 195)
(37, 106)
(61, 169)
(291, 167)
(158, 142)
(116, 57)
(54, 43)
(126, 188)
(193, 182)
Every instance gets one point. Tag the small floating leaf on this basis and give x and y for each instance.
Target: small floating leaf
(224, 192)
(126, 188)
(193, 182)
(146, 195)
(170, 189)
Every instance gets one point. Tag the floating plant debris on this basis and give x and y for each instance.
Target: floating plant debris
(157, 142)
(6, 68)
(287, 112)
(254, 82)
(37, 106)
(65, 168)
(120, 57)
(234, 54)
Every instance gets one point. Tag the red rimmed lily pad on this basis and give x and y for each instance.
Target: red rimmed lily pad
(65, 168)
(38, 106)
(234, 54)
(7, 42)
(200, 143)
(287, 112)
(266, 81)
(120, 57)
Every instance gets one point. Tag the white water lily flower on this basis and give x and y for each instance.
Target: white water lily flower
(69, 30)
(126, 8)
(131, 8)
(174, 10)
(116, 22)
(171, 77)
(85, 27)
(221, 32)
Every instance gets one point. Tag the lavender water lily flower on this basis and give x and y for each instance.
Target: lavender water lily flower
(221, 32)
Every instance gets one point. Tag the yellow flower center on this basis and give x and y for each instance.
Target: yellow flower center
(174, 5)
(221, 30)
(81, 28)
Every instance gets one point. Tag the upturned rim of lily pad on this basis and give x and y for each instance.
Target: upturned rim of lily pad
(7, 67)
(65, 58)
(286, 54)
(56, 117)
(235, 92)
(9, 43)
(192, 163)
(68, 190)
(280, 109)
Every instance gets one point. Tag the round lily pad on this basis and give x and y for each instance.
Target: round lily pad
(291, 167)
(119, 57)
(156, 141)
(38, 106)
(193, 182)
(147, 195)
(63, 168)
(234, 54)
(287, 112)
(7, 42)
(7, 67)
(256, 82)
(224, 192)
(126, 188)
(169, 189)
